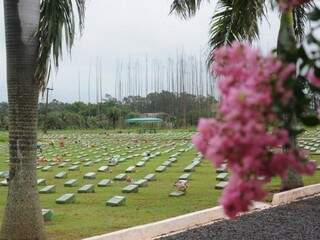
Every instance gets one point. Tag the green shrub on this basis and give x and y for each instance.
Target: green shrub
(3, 137)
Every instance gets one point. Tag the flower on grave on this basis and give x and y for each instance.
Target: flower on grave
(248, 132)
(287, 4)
(181, 185)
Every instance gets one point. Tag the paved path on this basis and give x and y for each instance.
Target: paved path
(296, 221)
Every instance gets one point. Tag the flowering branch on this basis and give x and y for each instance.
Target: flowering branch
(259, 96)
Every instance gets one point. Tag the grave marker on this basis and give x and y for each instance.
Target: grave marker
(74, 168)
(189, 168)
(61, 175)
(46, 169)
(161, 169)
(66, 198)
(90, 175)
(112, 162)
(41, 182)
(177, 194)
(150, 177)
(141, 183)
(121, 177)
(48, 189)
(116, 201)
(88, 164)
(132, 188)
(222, 169)
(4, 174)
(131, 169)
(140, 164)
(4, 183)
(104, 183)
(185, 176)
(97, 161)
(71, 183)
(88, 188)
(62, 165)
(222, 177)
(196, 162)
(103, 169)
(167, 163)
(47, 215)
(145, 159)
(221, 185)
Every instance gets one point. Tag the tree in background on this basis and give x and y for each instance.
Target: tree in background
(4, 116)
(228, 23)
(263, 100)
(28, 69)
(114, 115)
(79, 115)
(237, 20)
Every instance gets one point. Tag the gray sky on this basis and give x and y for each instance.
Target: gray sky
(119, 29)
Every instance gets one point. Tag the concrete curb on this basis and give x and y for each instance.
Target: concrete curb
(195, 219)
(295, 194)
(171, 225)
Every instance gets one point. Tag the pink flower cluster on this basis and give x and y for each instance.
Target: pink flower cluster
(246, 134)
(287, 4)
(313, 79)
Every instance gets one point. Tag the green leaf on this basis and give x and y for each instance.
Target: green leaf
(235, 20)
(315, 14)
(186, 8)
(311, 120)
(57, 27)
(297, 131)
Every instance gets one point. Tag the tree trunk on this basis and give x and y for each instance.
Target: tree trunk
(22, 218)
(286, 42)
(114, 123)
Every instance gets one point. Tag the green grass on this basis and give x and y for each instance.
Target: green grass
(308, 180)
(3, 137)
(90, 216)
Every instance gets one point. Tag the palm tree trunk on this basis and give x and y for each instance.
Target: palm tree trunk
(286, 42)
(22, 218)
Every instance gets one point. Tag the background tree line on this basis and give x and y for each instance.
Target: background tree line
(178, 110)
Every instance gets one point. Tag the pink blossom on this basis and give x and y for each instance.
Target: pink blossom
(287, 4)
(250, 83)
(239, 195)
(313, 79)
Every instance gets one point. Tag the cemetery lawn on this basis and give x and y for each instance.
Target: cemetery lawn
(89, 215)
(310, 141)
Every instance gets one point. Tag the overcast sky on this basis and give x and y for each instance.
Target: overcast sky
(122, 28)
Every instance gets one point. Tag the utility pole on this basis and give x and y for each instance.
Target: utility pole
(45, 129)
(79, 87)
(89, 86)
(100, 88)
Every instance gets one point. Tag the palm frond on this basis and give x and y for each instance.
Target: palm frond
(235, 20)
(57, 26)
(186, 8)
(300, 19)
